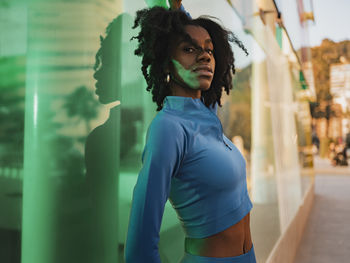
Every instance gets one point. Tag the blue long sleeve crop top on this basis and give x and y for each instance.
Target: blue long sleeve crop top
(189, 160)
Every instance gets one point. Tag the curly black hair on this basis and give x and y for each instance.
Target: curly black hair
(160, 29)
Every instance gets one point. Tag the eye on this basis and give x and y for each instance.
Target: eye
(210, 51)
(189, 49)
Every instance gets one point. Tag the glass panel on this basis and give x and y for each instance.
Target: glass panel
(71, 157)
(86, 111)
(13, 26)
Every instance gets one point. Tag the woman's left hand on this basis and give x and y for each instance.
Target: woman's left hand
(174, 4)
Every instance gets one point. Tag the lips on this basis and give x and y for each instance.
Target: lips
(204, 70)
(97, 87)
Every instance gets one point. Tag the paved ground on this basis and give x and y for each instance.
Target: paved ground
(327, 234)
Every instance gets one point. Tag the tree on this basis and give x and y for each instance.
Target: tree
(82, 105)
(12, 89)
(323, 56)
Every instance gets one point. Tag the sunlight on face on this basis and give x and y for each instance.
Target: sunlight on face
(187, 75)
(193, 59)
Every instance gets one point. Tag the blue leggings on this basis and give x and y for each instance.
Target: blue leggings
(248, 257)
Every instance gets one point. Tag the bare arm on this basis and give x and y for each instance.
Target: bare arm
(175, 4)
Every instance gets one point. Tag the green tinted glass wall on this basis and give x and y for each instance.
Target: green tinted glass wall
(69, 185)
(74, 116)
(12, 92)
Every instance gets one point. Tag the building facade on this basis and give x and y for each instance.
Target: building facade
(76, 201)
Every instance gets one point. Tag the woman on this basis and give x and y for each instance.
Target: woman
(187, 158)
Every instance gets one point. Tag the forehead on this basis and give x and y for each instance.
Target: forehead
(198, 33)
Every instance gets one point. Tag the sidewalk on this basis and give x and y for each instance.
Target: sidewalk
(327, 232)
(323, 166)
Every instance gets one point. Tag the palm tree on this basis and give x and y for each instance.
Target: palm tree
(82, 105)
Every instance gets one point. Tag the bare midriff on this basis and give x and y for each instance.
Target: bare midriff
(233, 241)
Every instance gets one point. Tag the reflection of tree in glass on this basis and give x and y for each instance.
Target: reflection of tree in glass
(11, 136)
(71, 164)
(12, 82)
(82, 105)
(64, 159)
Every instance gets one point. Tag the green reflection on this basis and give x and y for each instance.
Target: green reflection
(187, 75)
(81, 105)
(70, 211)
(102, 149)
(152, 3)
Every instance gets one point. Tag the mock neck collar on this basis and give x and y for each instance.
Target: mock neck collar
(187, 104)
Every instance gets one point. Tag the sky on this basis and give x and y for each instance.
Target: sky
(332, 20)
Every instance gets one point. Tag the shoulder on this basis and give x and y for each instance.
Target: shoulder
(166, 130)
(166, 123)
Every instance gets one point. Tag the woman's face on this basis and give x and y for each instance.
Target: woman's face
(107, 73)
(194, 61)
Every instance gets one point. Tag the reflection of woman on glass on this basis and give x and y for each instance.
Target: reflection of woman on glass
(187, 158)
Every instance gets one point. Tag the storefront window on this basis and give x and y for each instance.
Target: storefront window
(74, 113)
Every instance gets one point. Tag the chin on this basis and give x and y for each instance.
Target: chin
(204, 83)
(204, 86)
(103, 100)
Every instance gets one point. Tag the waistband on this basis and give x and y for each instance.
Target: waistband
(248, 257)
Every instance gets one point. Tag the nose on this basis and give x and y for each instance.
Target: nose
(203, 55)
